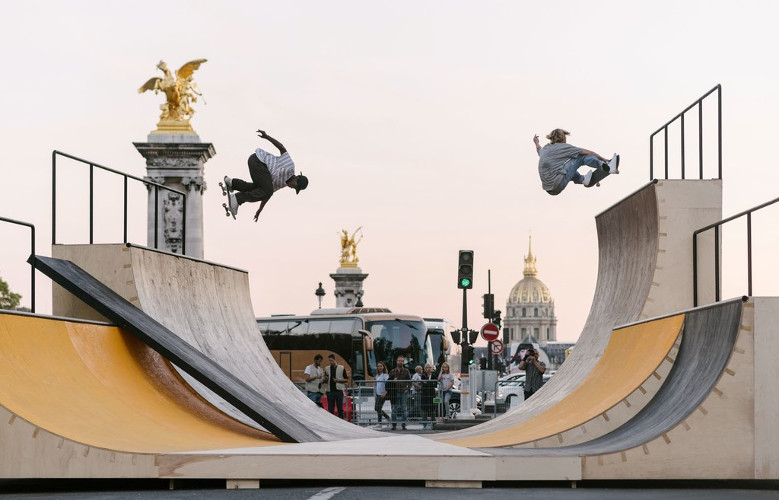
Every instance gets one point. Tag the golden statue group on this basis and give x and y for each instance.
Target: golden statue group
(349, 248)
(180, 92)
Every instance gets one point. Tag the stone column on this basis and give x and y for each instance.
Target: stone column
(176, 161)
(348, 286)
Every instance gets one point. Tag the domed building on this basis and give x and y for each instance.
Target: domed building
(530, 308)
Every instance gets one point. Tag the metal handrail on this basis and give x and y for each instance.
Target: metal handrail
(147, 183)
(716, 227)
(32, 252)
(680, 116)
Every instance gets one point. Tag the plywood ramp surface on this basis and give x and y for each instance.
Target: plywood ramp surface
(88, 383)
(644, 258)
(209, 307)
(684, 431)
(632, 356)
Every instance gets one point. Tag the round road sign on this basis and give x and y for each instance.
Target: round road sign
(490, 332)
(496, 347)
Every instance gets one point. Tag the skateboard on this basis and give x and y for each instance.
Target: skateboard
(225, 192)
(600, 174)
(227, 210)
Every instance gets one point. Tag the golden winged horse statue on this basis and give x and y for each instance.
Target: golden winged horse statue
(180, 92)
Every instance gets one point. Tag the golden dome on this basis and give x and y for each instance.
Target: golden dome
(530, 290)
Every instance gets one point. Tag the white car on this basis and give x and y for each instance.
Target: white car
(513, 386)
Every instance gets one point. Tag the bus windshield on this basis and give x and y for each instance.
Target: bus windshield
(398, 337)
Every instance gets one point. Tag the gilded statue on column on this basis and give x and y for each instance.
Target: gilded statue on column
(180, 92)
(349, 247)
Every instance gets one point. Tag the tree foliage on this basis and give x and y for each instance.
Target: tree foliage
(8, 299)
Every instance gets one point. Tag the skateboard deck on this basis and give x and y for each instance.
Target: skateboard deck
(226, 191)
(600, 174)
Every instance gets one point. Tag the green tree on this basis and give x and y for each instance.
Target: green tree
(8, 299)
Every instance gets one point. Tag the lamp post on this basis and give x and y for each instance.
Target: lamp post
(320, 292)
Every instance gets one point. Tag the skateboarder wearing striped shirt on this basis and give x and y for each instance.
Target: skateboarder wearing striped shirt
(559, 162)
(268, 172)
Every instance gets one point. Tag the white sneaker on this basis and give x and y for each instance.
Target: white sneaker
(233, 205)
(229, 183)
(614, 164)
(587, 178)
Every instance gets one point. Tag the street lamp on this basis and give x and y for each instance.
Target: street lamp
(320, 292)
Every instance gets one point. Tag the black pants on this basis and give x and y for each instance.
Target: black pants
(529, 393)
(335, 401)
(261, 187)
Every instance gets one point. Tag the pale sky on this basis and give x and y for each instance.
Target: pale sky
(413, 120)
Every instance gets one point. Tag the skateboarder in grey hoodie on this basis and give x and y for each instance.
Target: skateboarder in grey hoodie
(559, 162)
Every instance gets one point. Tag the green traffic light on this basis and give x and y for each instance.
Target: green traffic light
(465, 282)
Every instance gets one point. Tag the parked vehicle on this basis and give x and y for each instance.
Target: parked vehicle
(511, 388)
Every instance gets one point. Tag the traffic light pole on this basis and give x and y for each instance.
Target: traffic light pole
(464, 337)
(489, 344)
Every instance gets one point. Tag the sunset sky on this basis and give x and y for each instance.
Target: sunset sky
(413, 120)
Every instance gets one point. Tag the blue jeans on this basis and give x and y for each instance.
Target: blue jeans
(400, 406)
(316, 397)
(571, 171)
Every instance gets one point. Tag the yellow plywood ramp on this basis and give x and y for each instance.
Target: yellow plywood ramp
(632, 356)
(96, 385)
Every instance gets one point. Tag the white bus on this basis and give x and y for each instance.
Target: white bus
(377, 335)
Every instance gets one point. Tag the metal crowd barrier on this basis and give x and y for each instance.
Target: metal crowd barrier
(423, 407)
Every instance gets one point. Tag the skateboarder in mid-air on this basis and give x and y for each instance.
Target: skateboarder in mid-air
(269, 173)
(559, 162)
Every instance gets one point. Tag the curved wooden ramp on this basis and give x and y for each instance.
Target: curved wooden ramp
(73, 389)
(705, 421)
(644, 271)
(209, 307)
(277, 419)
(632, 368)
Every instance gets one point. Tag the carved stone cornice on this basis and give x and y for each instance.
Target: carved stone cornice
(175, 155)
(194, 184)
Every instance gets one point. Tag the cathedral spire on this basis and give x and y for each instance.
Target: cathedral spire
(530, 260)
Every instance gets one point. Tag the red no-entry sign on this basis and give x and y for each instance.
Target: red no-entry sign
(490, 332)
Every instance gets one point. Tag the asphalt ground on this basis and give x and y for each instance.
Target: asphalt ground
(305, 490)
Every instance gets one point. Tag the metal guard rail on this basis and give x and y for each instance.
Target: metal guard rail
(716, 227)
(680, 116)
(147, 183)
(32, 252)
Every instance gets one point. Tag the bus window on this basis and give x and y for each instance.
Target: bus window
(344, 325)
(298, 327)
(398, 337)
(318, 326)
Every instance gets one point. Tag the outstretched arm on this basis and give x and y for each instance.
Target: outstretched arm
(538, 146)
(596, 155)
(273, 141)
(262, 205)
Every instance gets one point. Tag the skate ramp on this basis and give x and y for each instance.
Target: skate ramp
(700, 423)
(102, 299)
(644, 271)
(96, 385)
(209, 307)
(631, 370)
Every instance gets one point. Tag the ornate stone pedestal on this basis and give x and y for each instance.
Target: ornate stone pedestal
(176, 161)
(348, 286)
